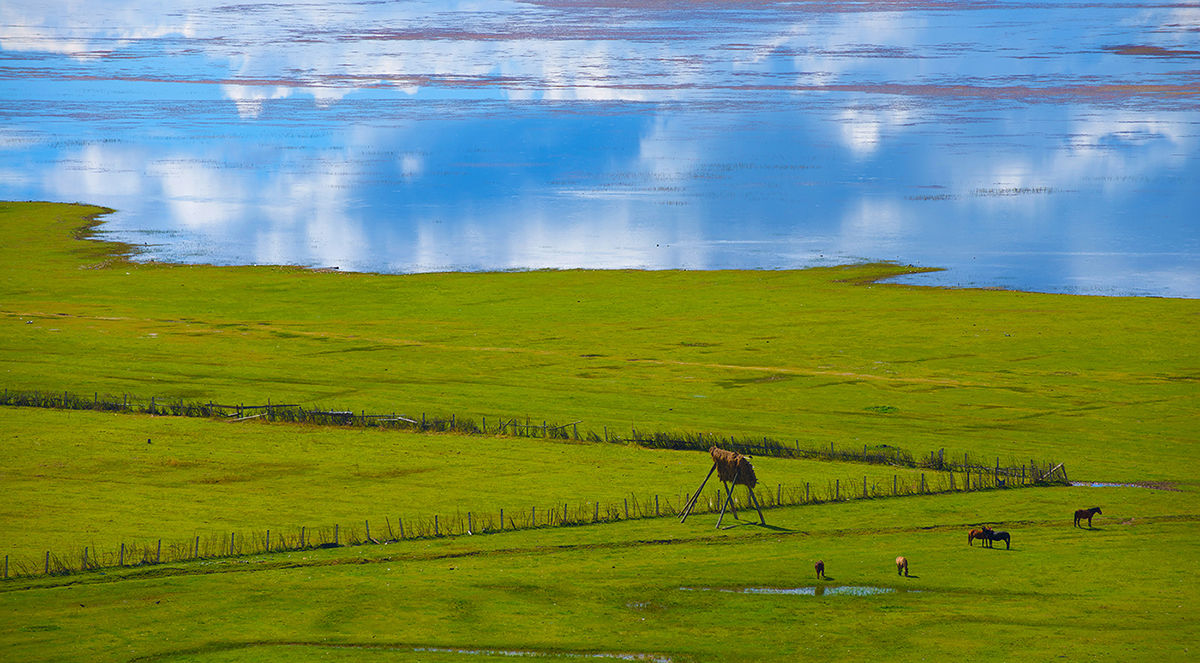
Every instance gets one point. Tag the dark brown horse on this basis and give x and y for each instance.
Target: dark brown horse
(820, 567)
(999, 536)
(1087, 513)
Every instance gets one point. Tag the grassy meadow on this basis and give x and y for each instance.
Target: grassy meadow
(1106, 385)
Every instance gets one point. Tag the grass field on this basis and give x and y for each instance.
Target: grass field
(1107, 385)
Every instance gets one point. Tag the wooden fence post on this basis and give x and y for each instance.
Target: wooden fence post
(922, 482)
(336, 533)
(806, 492)
(656, 506)
(48, 562)
(400, 523)
(197, 555)
(501, 520)
(158, 553)
(81, 568)
(894, 482)
(837, 489)
(626, 508)
(470, 526)
(864, 487)
(231, 535)
(120, 560)
(436, 529)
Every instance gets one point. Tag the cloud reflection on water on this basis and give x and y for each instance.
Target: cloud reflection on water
(499, 135)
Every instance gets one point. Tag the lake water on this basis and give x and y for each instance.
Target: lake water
(1036, 146)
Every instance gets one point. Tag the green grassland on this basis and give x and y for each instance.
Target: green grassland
(75, 479)
(809, 355)
(1107, 385)
(654, 587)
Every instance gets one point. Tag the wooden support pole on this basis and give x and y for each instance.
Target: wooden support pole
(687, 509)
(728, 498)
(158, 552)
(761, 520)
(120, 559)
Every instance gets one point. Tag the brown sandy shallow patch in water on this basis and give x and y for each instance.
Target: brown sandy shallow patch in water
(1157, 51)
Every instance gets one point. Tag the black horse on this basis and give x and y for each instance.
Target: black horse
(1087, 513)
(996, 535)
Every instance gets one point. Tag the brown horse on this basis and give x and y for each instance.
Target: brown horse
(984, 534)
(902, 566)
(1087, 513)
(820, 567)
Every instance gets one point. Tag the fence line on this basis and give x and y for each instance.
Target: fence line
(219, 545)
(880, 454)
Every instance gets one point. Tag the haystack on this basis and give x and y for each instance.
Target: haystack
(731, 464)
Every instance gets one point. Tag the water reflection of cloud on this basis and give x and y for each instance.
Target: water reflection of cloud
(97, 171)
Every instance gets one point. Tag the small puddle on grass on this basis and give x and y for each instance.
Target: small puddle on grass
(529, 653)
(1152, 485)
(820, 590)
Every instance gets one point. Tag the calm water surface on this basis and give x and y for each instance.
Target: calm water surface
(1036, 146)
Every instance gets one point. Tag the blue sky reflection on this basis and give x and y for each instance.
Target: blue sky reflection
(1039, 147)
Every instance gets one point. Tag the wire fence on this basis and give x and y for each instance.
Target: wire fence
(474, 523)
(527, 427)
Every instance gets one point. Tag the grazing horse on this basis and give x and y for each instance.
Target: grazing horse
(1087, 513)
(984, 534)
(820, 567)
(902, 566)
(999, 536)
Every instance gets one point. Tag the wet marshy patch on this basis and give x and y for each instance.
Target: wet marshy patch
(817, 590)
(1151, 485)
